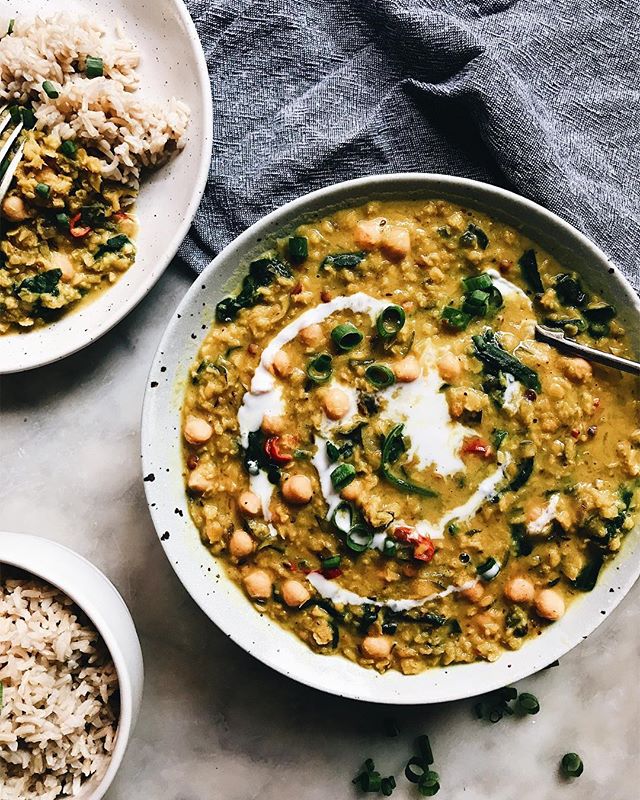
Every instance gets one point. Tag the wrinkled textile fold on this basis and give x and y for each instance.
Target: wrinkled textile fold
(540, 96)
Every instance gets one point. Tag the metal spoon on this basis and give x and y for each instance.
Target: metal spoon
(558, 340)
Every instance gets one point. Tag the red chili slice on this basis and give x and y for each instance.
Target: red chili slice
(402, 533)
(476, 445)
(424, 550)
(75, 230)
(120, 215)
(330, 574)
(272, 449)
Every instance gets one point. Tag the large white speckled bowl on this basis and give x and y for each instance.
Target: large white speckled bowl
(205, 578)
(172, 64)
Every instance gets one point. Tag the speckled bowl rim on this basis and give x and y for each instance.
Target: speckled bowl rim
(204, 577)
(36, 349)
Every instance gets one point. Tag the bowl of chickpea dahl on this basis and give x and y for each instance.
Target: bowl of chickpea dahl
(364, 467)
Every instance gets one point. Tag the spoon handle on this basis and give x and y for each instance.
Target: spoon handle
(557, 339)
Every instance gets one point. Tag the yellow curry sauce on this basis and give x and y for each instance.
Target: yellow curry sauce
(383, 456)
(66, 232)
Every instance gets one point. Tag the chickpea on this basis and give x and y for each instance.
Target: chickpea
(368, 232)
(249, 504)
(396, 242)
(449, 367)
(336, 403)
(297, 489)
(198, 481)
(352, 491)
(282, 364)
(62, 262)
(549, 604)
(473, 593)
(240, 544)
(407, 370)
(197, 430)
(312, 335)
(14, 209)
(519, 590)
(576, 369)
(273, 425)
(294, 593)
(258, 584)
(376, 647)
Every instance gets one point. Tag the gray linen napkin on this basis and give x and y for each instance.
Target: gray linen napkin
(540, 96)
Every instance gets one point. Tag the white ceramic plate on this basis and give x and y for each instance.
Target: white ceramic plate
(205, 578)
(99, 599)
(172, 64)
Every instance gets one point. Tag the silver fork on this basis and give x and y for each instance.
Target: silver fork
(9, 161)
(557, 339)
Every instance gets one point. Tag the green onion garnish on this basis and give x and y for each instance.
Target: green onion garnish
(69, 148)
(50, 90)
(331, 562)
(346, 337)
(298, 249)
(390, 321)
(319, 368)
(380, 376)
(28, 118)
(476, 304)
(429, 784)
(572, 765)
(63, 219)
(423, 746)
(94, 67)
(342, 476)
(343, 516)
(482, 281)
(388, 785)
(455, 318)
(389, 548)
(12, 22)
(528, 703)
(415, 769)
(488, 569)
(43, 190)
(359, 538)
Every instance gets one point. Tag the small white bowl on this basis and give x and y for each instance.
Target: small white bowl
(172, 63)
(99, 599)
(205, 578)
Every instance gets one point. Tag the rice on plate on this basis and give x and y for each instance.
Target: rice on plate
(59, 701)
(67, 222)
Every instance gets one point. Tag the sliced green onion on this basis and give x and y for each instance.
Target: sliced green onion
(94, 67)
(50, 90)
(423, 746)
(43, 190)
(28, 118)
(346, 337)
(333, 453)
(319, 368)
(342, 476)
(331, 562)
(390, 321)
(498, 437)
(415, 769)
(69, 148)
(63, 219)
(389, 548)
(600, 312)
(12, 22)
(572, 765)
(476, 303)
(482, 281)
(15, 114)
(388, 785)
(528, 703)
(380, 376)
(342, 517)
(429, 784)
(455, 318)
(359, 538)
(298, 249)
(488, 569)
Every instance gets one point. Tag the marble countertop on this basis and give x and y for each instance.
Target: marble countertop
(217, 724)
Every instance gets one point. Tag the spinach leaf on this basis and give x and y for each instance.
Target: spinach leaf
(588, 576)
(495, 359)
(600, 313)
(262, 272)
(393, 447)
(522, 544)
(528, 264)
(569, 290)
(523, 473)
(343, 260)
(112, 245)
(474, 236)
(43, 283)
(94, 216)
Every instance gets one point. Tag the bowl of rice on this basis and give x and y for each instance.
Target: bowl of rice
(71, 673)
(117, 112)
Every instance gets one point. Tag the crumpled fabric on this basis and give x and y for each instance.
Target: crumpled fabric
(539, 96)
